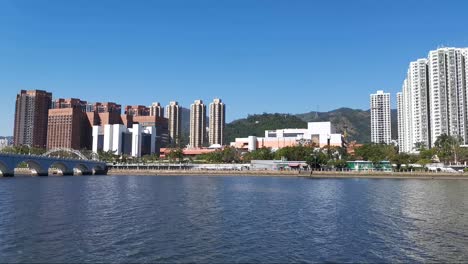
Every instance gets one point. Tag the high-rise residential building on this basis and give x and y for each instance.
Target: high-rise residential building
(156, 110)
(447, 92)
(137, 110)
(217, 122)
(414, 108)
(434, 99)
(380, 117)
(197, 124)
(174, 116)
(400, 116)
(31, 118)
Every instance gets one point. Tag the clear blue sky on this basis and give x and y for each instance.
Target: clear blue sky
(258, 56)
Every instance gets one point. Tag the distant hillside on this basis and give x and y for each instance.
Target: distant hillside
(255, 125)
(357, 122)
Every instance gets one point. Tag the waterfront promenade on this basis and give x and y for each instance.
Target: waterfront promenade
(293, 173)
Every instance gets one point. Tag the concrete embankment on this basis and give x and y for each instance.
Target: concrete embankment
(305, 174)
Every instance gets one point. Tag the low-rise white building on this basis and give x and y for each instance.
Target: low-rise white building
(4, 142)
(319, 133)
(136, 141)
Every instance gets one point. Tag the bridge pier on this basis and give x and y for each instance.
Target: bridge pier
(8, 174)
(42, 174)
(67, 173)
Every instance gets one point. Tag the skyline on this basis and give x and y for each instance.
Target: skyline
(247, 53)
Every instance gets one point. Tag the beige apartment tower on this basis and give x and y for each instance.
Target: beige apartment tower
(156, 110)
(217, 122)
(197, 124)
(174, 117)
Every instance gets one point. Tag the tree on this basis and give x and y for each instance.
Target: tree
(176, 154)
(419, 146)
(294, 152)
(258, 154)
(316, 160)
(448, 147)
(400, 159)
(376, 152)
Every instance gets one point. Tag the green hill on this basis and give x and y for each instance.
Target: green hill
(356, 120)
(255, 125)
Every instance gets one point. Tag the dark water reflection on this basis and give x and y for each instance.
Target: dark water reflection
(232, 219)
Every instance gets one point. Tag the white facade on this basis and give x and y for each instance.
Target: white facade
(434, 99)
(414, 114)
(319, 133)
(447, 80)
(4, 143)
(400, 117)
(119, 139)
(380, 118)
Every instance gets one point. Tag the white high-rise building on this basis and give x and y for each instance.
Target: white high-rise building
(447, 93)
(400, 116)
(217, 122)
(197, 124)
(135, 141)
(173, 114)
(380, 118)
(414, 121)
(434, 99)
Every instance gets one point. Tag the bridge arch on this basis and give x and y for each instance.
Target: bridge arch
(82, 169)
(98, 169)
(4, 171)
(61, 167)
(65, 150)
(35, 167)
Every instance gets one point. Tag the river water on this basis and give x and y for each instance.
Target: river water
(232, 219)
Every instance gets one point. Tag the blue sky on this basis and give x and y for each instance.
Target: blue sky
(258, 56)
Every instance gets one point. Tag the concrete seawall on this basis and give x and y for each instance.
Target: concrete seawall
(304, 174)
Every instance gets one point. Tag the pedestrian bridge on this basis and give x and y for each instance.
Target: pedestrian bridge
(41, 165)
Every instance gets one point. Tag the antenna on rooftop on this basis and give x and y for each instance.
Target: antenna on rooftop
(316, 112)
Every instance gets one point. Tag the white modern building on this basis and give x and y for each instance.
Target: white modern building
(319, 134)
(4, 142)
(136, 141)
(381, 129)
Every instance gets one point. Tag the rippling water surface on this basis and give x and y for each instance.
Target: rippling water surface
(232, 219)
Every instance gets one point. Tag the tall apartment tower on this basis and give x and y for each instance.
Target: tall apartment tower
(400, 118)
(173, 114)
(217, 122)
(156, 110)
(31, 118)
(197, 124)
(380, 117)
(414, 108)
(447, 93)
